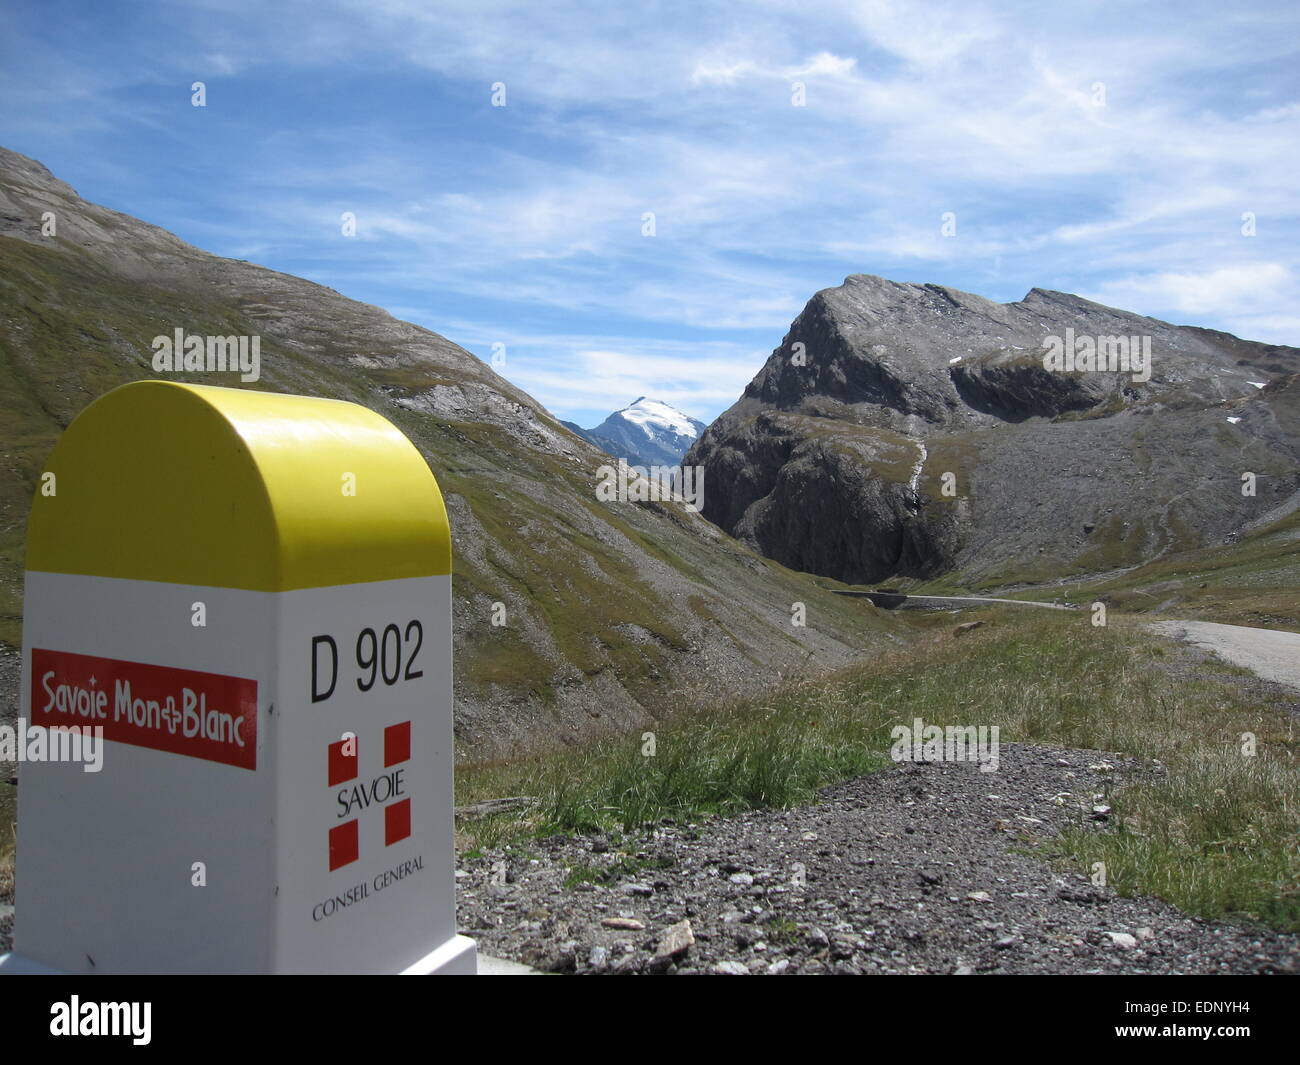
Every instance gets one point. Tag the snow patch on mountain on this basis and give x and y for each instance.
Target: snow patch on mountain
(648, 432)
(654, 416)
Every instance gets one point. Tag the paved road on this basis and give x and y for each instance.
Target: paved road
(983, 599)
(1271, 653)
(903, 599)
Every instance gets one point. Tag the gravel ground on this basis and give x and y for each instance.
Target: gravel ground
(923, 868)
(10, 667)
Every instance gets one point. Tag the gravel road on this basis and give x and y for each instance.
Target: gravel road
(1271, 653)
(926, 868)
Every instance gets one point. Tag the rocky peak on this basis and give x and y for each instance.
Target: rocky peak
(825, 461)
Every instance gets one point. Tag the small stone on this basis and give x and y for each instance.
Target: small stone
(744, 879)
(809, 836)
(676, 940)
(963, 970)
(1145, 933)
(637, 889)
(1005, 943)
(818, 938)
(843, 946)
(730, 968)
(776, 968)
(1122, 940)
(598, 958)
(979, 896)
(625, 924)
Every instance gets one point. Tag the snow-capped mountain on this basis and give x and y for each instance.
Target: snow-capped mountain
(647, 433)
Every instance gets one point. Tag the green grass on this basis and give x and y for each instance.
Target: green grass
(781, 930)
(955, 454)
(623, 866)
(1217, 834)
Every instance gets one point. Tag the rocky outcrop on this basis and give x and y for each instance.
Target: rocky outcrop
(910, 430)
(1015, 391)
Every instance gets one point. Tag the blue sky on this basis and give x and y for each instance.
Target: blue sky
(1108, 149)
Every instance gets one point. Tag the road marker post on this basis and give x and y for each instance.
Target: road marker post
(250, 594)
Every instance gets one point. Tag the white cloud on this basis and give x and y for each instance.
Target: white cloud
(575, 373)
(929, 36)
(1245, 288)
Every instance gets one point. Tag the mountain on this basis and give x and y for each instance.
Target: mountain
(647, 433)
(615, 612)
(906, 430)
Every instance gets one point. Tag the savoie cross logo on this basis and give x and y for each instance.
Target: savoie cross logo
(354, 795)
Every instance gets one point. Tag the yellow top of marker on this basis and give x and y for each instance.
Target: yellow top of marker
(228, 488)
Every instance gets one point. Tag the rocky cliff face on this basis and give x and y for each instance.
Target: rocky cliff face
(913, 430)
(613, 611)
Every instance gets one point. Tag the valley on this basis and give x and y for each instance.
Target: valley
(916, 442)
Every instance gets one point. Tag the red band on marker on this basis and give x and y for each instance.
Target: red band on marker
(182, 711)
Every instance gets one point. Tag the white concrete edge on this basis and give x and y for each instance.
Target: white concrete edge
(18, 965)
(457, 957)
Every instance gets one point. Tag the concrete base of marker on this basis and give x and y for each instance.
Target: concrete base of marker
(490, 966)
(457, 957)
(17, 965)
